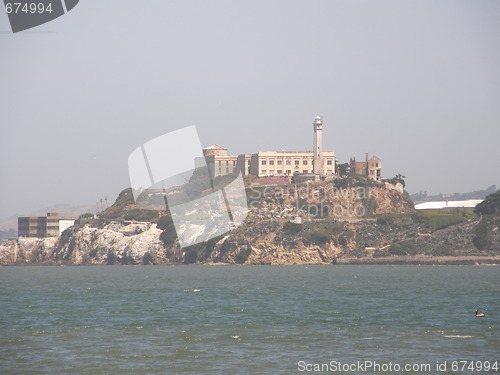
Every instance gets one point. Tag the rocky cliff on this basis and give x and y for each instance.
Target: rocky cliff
(286, 225)
(116, 242)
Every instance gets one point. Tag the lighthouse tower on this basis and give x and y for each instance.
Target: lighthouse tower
(318, 146)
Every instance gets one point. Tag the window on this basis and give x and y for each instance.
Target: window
(280, 171)
(220, 170)
(288, 162)
(280, 162)
(296, 162)
(234, 162)
(372, 172)
(263, 171)
(328, 162)
(220, 163)
(288, 171)
(271, 162)
(304, 162)
(271, 172)
(304, 171)
(227, 162)
(264, 162)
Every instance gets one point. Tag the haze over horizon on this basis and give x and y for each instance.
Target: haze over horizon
(416, 83)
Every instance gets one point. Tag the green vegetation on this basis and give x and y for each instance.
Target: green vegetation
(431, 220)
(321, 232)
(291, 229)
(489, 209)
(387, 219)
(147, 258)
(490, 206)
(138, 214)
(342, 169)
(399, 178)
(125, 198)
(86, 215)
(437, 220)
(111, 258)
(370, 205)
(243, 255)
(201, 251)
(169, 235)
(354, 180)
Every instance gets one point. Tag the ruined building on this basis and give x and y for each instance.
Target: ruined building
(371, 168)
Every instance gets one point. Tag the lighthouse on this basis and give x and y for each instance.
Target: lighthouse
(318, 146)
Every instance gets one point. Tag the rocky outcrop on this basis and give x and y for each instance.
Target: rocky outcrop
(286, 225)
(121, 243)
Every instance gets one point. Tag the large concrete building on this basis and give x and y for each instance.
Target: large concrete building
(274, 163)
(51, 225)
(219, 162)
(289, 163)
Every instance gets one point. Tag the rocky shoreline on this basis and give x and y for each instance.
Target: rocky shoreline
(424, 260)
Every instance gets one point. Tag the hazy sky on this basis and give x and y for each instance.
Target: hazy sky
(416, 83)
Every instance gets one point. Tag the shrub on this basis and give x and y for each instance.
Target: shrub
(125, 198)
(147, 258)
(482, 238)
(397, 249)
(370, 205)
(291, 228)
(138, 214)
(243, 255)
(169, 235)
(381, 253)
(436, 220)
(386, 219)
(165, 222)
(111, 258)
(191, 256)
(490, 206)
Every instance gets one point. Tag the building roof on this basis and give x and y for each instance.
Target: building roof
(215, 147)
(447, 204)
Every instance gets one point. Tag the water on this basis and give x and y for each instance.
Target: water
(244, 319)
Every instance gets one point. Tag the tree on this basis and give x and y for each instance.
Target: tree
(490, 206)
(399, 178)
(343, 169)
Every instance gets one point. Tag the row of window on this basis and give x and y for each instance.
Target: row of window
(227, 162)
(220, 171)
(279, 171)
(289, 162)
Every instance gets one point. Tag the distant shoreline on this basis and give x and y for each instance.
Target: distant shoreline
(391, 260)
(463, 260)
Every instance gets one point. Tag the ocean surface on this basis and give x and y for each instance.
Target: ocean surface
(249, 319)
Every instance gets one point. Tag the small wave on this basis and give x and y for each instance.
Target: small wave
(457, 336)
(192, 290)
